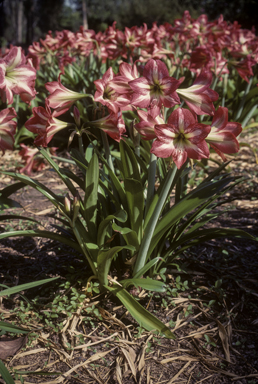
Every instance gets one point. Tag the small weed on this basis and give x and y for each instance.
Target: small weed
(80, 339)
(188, 311)
(209, 341)
(140, 332)
(172, 324)
(149, 347)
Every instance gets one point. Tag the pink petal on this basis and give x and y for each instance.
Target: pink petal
(223, 141)
(181, 118)
(179, 157)
(220, 118)
(154, 70)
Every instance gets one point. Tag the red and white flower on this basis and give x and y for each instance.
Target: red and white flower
(113, 125)
(33, 162)
(61, 98)
(17, 76)
(155, 88)
(44, 125)
(199, 97)
(126, 74)
(106, 94)
(222, 136)
(147, 123)
(7, 128)
(181, 137)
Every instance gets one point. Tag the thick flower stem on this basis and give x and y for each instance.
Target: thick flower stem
(151, 181)
(109, 159)
(241, 107)
(171, 178)
(107, 151)
(81, 149)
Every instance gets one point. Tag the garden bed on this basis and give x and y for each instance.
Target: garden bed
(210, 303)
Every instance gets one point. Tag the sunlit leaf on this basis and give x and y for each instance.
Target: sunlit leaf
(139, 313)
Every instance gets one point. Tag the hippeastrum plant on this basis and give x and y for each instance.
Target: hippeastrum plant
(129, 213)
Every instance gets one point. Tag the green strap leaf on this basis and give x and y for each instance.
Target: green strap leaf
(146, 267)
(120, 216)
(12, 328)
(135, 201)
(139, 313)
(148, 284)
(5, 374)
(59, 171)
(128, 234)
(10, 189)
(207, 234)
(146, 241)
(6, 203)
(104, 261)
(22, 287)
(201, 236)
(102, 184)
(185, 206)
(36, 185)
(91, 196)
(18, 217)
(118, 187)
(45, 234)
(129, 162)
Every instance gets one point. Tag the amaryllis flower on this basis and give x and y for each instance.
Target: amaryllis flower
(106, 95)
(7, 128)
(244, 67)
(16, 76)
(181, 137)
(61, 98)
(155, 88)
(44, 124)
(113, 125)
(222, 136)
(132, 38)
(33, 162)
(199, 97)
(37, 53)
(120, 81)
(200, 57)
(148, 120)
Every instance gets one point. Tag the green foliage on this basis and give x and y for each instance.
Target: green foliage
(124, 211)
(113, 229)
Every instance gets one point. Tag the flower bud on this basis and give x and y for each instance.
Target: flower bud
(67, 204)
(76, 207)
(134, 134)
(76, 115)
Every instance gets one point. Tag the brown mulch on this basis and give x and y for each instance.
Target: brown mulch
(211, 304)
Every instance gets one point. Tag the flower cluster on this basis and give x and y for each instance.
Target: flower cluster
(153, 84)
(182, 136)
(216, 46)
